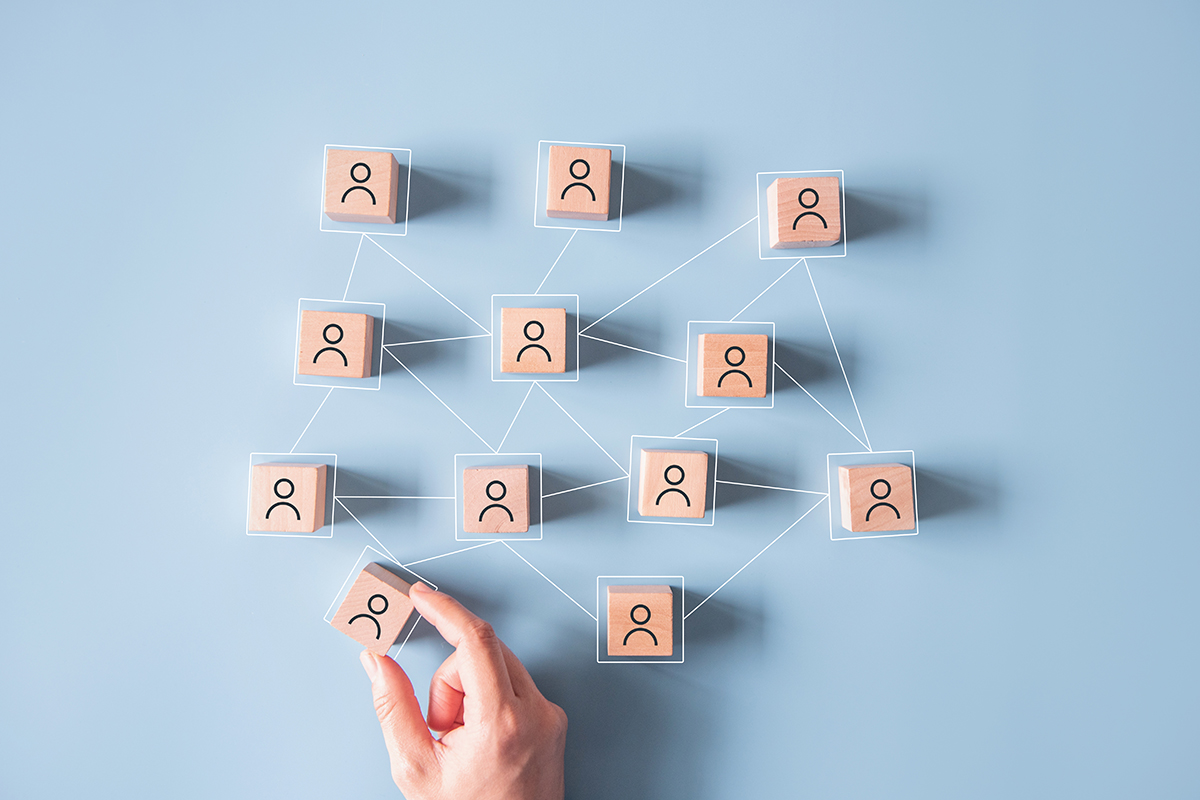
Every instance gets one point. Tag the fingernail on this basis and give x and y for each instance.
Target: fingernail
(370, 664)
(420, 588)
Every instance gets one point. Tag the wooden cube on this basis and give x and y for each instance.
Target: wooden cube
(877, 497)
(579, 182)
(804, 212)
(496, 499)
(375, 610)
(361, 186)
(674, 483)
(641, 621)
(287, 497)
(533, 340)
(732, 365)
(335, 344)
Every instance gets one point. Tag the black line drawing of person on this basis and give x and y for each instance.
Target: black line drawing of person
(578, 179)
(331, 342)
(673, 485)
(496, 500)
(881, 497)
(541, 331)
(360, 181)
(734, 364)
(639, 623)
(816, 199)
(291, 490)
(371, 617)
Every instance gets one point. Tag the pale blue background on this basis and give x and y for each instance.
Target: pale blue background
(1017, 306)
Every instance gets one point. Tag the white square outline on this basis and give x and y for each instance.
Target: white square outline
(537, 183)
(667, 520)
(689, 376)
(682, 621)
(498, 341)
(354, 573)
(378, 334)
(458, 501)
(829, 485)
(407, 191)
(802, 252)
(284, 534)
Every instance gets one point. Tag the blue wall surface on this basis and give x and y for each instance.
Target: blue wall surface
(1016, 306)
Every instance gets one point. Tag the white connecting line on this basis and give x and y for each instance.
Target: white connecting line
(672, 272)
(514, 419)
(427, 283)
(310, 421)
(590, 485)
(764, 291)
(776, 488)
(358, 250)
(440, 400)
(538, 290)
(839, 358)
(751, 561)
(698, 424)
(585, 433)
(822, 405)
(446, 339)
(630, 347)
(552, 583)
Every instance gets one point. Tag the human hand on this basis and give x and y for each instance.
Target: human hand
(500, 739)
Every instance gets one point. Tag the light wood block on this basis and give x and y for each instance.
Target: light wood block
(335, 344)
(496, 499)
(804, 212)
(287, 498)
(579, 182)
(361, 186)
(732, 365)
(641, 621)
(673, 483)
(533, 340)
(375, 609)
(877, 497)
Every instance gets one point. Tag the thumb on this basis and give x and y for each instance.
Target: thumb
(409, 742)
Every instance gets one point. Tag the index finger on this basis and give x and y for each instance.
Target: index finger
(481, 664)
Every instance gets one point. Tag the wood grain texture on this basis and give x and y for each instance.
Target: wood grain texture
(641, 621)
(496, 499)
(354, 193)
(883, 492)
(575, 175)
(732, 365)
(287, 498)
(335, 344)
(674, 483)
(375, 609)
(533, 340)
(814, 220)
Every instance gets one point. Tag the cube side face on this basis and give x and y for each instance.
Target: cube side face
(877, 497)
(335, 344)
(804, 212)
(361, 186)
(579, 183)
(732, 365)
(496, 499)
(533, 340)
(287, 498)
(674, 483)
(375, 609)
(640, 621)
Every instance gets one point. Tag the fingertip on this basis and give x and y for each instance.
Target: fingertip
(420, 588)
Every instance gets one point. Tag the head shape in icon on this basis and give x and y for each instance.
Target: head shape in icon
(813, 198)
(283, 488)
(673, 483)
(333, 335)
(495, 499)
(533, 331)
